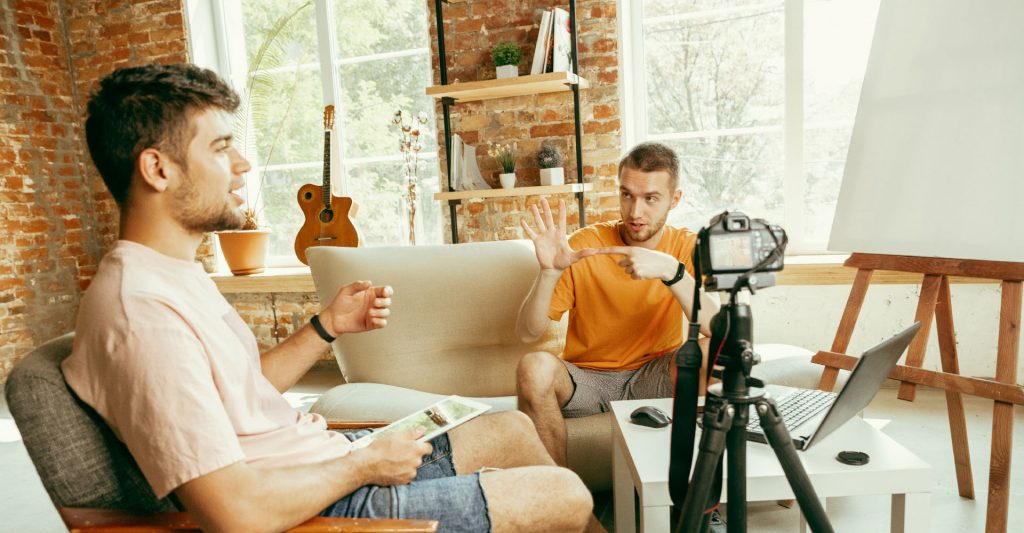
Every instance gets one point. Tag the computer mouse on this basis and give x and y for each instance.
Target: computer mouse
(650, 416)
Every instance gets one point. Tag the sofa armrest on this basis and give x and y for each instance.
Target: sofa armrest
(85, 520)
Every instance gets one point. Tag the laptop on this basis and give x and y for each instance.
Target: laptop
(811, 415)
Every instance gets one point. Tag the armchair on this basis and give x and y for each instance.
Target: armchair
(89, 474)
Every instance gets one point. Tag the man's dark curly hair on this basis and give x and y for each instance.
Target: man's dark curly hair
(144, 107)
(652, 157)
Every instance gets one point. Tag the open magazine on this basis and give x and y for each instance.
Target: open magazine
(436, 419)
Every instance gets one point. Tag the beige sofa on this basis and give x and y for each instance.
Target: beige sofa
(451, 331)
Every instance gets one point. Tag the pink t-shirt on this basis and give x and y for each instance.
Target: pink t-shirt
(175, 372)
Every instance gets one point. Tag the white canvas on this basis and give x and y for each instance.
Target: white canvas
(936, 160)
(562, 42)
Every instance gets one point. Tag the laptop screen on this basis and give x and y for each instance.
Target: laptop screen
(865, 380)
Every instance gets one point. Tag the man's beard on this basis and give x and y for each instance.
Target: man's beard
(193, 216)
(647, 233)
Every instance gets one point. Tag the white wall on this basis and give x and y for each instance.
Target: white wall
(808, 316)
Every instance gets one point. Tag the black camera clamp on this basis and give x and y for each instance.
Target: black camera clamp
(726, 412)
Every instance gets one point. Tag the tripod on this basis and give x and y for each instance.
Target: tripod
(726, 412)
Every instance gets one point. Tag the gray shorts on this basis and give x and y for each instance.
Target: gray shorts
(437, 493)
(594, 390)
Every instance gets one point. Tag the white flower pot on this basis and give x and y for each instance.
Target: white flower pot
(507, 71)
(552, 176)
(507, 179)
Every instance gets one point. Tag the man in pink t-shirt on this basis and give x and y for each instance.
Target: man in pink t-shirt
(171, 367)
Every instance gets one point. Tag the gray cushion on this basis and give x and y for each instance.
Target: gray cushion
(80, 461)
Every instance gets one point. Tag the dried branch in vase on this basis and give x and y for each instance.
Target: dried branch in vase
(410, 145)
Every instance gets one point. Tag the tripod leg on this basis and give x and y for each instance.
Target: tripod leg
(717, 419)
(782, 445)
(736, 466)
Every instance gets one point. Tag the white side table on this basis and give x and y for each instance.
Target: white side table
(640, 457)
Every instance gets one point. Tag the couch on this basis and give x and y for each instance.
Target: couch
(452, 331)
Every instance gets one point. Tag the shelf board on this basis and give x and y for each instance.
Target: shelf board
(523, 85)
(568, 188)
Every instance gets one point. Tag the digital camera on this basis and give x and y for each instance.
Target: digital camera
(734, 243)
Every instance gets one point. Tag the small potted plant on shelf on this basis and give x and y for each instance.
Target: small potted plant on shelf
(506, 56)
(505, 155)
(550, 159)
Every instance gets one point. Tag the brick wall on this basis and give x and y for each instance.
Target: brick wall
(470, 30)
(56, 217)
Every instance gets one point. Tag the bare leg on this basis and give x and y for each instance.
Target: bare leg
(536, 498)
(544, 386)
(501, 440)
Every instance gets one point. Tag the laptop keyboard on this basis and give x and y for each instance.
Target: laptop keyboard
(796, 408)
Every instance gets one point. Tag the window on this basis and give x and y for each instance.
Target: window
(379, 58)
(758, 99)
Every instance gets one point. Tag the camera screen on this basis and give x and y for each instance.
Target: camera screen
(731, 252)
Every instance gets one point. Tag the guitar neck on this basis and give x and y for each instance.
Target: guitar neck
(327, 169)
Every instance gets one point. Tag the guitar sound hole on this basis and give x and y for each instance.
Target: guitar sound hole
(326, 215)
(308, 196)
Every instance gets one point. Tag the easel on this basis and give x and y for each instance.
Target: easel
(935, 301)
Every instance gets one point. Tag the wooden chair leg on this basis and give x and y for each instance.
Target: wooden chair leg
(1002, 413)
(845, 330)
(925, 313)
(954, 399)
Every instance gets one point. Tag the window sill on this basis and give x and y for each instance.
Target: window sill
(800, 270)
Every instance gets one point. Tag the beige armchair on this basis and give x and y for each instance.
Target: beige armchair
(89, 474)
(451, 331)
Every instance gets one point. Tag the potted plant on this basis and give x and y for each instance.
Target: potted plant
(410, 144)
(506, 56)
(505, 155)
(245, 250)
(550, 159)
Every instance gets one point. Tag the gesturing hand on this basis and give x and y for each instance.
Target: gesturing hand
(549, 241)
(358, 306)
(640, 263)
(393, 460)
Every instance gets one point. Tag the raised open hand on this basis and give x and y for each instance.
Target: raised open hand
(549, 241)
(358, 306)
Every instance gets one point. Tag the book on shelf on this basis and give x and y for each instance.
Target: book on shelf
(540, 51)
(561, 42)
(471, 178)
(465, 172)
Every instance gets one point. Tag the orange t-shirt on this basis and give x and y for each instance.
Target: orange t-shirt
(616, 322)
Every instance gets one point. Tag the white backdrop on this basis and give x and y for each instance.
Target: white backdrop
(936, 160)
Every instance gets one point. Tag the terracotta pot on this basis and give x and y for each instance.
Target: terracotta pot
(245, 250)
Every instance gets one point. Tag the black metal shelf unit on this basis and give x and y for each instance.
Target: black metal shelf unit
(447, 102)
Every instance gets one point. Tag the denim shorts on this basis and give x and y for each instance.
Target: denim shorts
(437, 493)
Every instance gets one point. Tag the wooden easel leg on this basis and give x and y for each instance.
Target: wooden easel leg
(954, 400)
(846, 324)
(925, 313)
(1002, 413)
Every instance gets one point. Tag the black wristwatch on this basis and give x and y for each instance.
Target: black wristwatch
(680, 272)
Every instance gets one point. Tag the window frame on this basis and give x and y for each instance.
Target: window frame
(214, 47)
(793, 127)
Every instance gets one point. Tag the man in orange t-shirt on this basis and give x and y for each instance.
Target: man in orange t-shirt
(626, 285)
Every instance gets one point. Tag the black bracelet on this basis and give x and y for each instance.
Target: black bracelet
(680, 272)
(315, 321)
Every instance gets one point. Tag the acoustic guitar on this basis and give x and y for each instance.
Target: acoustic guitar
(327, 220)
